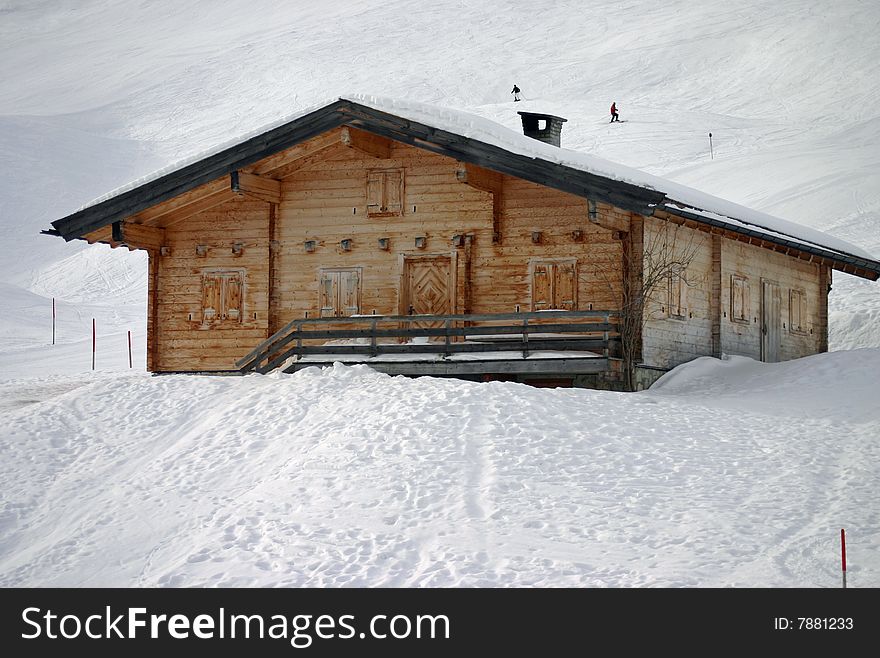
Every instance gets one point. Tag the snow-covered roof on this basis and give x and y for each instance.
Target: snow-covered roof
(488, 132)
(484, 130)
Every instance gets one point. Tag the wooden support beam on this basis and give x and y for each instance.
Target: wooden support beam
(138, 236)
(103, 234)
(485, 180)
(467, 293)
(258, 187)
(610, 222)
(715, 296)
(824, 289)
(274, 248)
(633, 273)
(373, 145)
(479, 178)
(153, 312)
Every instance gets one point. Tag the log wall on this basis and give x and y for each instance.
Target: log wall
(324, 202)
(755, 264)
(183, 341)
(669, 340)
(709, 327)
(493, 230)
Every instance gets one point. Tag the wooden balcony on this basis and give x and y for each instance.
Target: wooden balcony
(540, 343)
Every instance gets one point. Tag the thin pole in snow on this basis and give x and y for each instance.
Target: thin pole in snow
(843, 555)
(711, 151)
(53, 320)
(93, 343)
(129, 349)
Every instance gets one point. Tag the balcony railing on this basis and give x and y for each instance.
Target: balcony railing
(519, 334)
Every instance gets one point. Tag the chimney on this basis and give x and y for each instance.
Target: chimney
(543, 127)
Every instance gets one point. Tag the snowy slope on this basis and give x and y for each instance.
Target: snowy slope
(94, 94)
(731, 473)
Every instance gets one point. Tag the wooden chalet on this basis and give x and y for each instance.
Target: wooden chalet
(426, 241)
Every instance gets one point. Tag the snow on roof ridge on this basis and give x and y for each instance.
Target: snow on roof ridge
(487, 131)
(204, 153)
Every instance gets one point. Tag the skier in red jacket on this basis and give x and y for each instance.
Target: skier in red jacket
(614, 115)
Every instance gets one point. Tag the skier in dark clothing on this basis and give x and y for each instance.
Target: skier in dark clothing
(614, 115)
(515, 93)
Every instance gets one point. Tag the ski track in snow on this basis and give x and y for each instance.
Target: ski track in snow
(346, 477)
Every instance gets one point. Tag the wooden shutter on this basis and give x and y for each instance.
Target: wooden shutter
(564, 286)
(385, 192)
(329, 293)
(349, 293)
(802, 298)
(739, 298)
(797, 311)
(677, 294)
(211, 305)
(232, 296)
(393, 189)
(375, 187)
(681, 309)
(542, 296)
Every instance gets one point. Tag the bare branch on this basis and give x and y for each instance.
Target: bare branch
(668, 251)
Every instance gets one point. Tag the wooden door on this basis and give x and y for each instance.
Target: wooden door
(426, 288)
(771, 321)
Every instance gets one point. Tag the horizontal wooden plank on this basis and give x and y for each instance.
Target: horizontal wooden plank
(574, 328)
(470, 367)
(435, 348)
(271, 165)
(234, 333)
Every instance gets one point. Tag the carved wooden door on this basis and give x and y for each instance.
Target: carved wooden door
(427, 287)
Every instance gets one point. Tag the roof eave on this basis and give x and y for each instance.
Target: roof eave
(847, 263)
(342, 112)
(198, 173)
(624, 195)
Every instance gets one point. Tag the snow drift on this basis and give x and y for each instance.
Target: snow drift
(732, 473)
